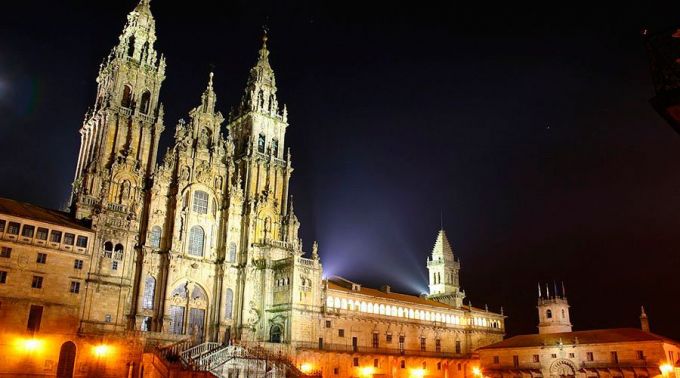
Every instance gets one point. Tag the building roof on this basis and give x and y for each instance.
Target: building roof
(340, 284)
(41, 214)
(596, 336)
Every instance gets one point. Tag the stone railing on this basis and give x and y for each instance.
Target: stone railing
(125, 111)
(371, 350)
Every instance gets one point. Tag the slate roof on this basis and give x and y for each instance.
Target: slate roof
(597, 336)
(41, 214)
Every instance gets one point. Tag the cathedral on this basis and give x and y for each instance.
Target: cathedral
(203, 244)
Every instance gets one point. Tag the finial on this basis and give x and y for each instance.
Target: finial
(547, 290)
(265, 36)
(539, 290)
(642, 312)
(210, 81)
(564, 292)
(555, 287)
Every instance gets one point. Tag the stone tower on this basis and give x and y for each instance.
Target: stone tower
(553, 311)
(119, 143)
(444, 273)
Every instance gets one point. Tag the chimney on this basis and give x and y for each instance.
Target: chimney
(644, 321)
(386, 289)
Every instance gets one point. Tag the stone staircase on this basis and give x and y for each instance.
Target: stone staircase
(251, 361)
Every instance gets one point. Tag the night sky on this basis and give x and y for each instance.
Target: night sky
(528, 127)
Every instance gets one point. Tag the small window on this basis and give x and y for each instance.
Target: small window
(496, 359)
(78, 264)
(107, 318)
(355, 361)
(37, 282)
(55, 236)
(458, 347)
(571, 355)
(548, 314)
(155, 237)
(34, 318)
(375, 362)
(275, 147)
(2, 225)
(28, 231)
(375, 340)
(232, 252)
(42, 233)
(260, 143)
(146, 100)
(201, 202)
(589, 356)
(336, 371)
(640, 355)
(536, 358)
(13, 228)
(126, 101)
(460, 366)
(6, 252)
(114, 265)
(69, 238)
(3, 277)
(42, 258)
(554, 355)
(515, 361)
(388, 338)
(437, 345)
(439, 365)
(341, 333)
(403, 364)
(196, 236)
(614, 357)
(149, 293)
(328, 324)
(82, 241)
(423, 345)
(75, 287)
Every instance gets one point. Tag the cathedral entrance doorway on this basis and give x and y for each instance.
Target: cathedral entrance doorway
(67, 359)
(188, 299)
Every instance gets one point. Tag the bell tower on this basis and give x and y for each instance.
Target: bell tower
(118, 149)
(257, 127)
(444, 273)
(120, 134)
(553, 311)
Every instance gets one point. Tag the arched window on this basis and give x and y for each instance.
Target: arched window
(563, 314)
(131, 46)
(232, 252)
(275, 334)
(229, 304)
(126, 102)
(145, 50)
(200, 202)
(196, 241)
(155, 237)
(548, 314)
(275, 147)
(67, 360)
(149, 290)
(118, 252)
(146, 100)
(260, 143)
(108, 249)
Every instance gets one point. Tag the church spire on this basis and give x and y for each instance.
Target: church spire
(209, 98)
(260, 93)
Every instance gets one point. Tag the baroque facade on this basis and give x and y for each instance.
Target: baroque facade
(203, 244)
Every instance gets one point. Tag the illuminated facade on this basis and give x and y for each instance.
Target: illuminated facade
(557, 351)
(203, 245)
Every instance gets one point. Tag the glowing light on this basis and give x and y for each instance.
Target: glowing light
(417, 373)
(366, 371)
(477, 371)
(31, 345)
(666, 368)
(306, 368)
(101, 350)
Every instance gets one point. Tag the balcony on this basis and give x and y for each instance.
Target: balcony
(370, 350)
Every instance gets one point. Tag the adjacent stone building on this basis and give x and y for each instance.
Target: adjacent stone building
(557, 351)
